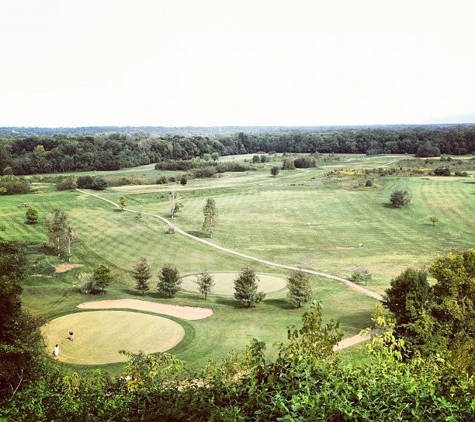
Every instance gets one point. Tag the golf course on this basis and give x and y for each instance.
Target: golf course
(326, 220)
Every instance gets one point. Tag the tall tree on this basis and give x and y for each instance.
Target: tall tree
(299, 289)
(245, 287)
(210, 214)
(205, 283)
(102, 277)
(169, 280)
(142, 275)
(20, 338)
(57, 226)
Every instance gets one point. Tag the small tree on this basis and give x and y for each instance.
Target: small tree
(245, 287)
(31, 215)
(175, 205)
(183, 180)
(122, 203)
(274, 171)
(402, 197)
(57, 228)
(361, 275)
(102, 277)
(142, 274)
(169, 280)
(434, 219)
(85, 283)
(299, 288)
(205, 283)
(210, 216)
(215, 156)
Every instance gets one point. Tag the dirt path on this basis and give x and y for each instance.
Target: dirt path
(349, 283)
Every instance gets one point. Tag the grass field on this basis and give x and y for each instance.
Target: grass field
(301, 218)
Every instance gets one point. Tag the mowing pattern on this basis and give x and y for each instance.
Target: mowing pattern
(99, 335)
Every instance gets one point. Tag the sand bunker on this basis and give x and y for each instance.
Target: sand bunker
(189, 313)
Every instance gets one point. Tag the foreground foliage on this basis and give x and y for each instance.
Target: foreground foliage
(306, 381)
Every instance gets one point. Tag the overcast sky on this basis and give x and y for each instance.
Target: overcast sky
(67, 63)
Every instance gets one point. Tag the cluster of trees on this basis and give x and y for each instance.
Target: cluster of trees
(59, 152)
(437, 318)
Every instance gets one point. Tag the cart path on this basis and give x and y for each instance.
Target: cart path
(177, 229)
(343, 344)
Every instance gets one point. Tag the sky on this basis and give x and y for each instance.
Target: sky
(70, 63)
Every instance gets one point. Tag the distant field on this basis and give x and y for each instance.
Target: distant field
(300, 218)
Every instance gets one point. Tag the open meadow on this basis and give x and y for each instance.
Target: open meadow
(323, 219)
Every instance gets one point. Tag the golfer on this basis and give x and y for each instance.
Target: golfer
(56, 351)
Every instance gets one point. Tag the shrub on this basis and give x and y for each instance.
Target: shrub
(99, 183)
(399, 198)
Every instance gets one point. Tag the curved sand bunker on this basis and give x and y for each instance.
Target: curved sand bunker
(189, 313)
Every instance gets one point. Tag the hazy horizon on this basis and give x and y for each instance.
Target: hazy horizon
(242, 64)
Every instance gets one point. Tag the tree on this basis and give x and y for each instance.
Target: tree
(401, 197)
(408, 294)
(361, 275)
(245, 287)
(122, 203)
(299, 288)
(57, 227)
(169, 280)
(31, 215)
(175, 205)
(99, 183)
(434, 219)
(210, 216)
(142, 274)
(205, 283)
(183, 180)
(274, 171)
(20, 337)
(215, 156)
(102, 277)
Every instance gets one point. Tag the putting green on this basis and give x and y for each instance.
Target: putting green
(224, 283)
(99, 335)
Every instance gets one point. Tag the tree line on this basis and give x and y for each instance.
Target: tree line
(60, 153)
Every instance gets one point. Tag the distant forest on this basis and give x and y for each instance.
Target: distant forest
(26, 151)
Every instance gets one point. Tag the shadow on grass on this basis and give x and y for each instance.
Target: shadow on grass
(279, 304)
(198, 233)
(357, 318)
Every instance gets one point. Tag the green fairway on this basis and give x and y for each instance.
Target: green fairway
(301, 218)
(99, 335)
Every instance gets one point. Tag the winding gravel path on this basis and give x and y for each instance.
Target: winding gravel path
(354, 286)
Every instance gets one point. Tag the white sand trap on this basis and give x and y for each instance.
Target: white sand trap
(224, 283)
(186, 312)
